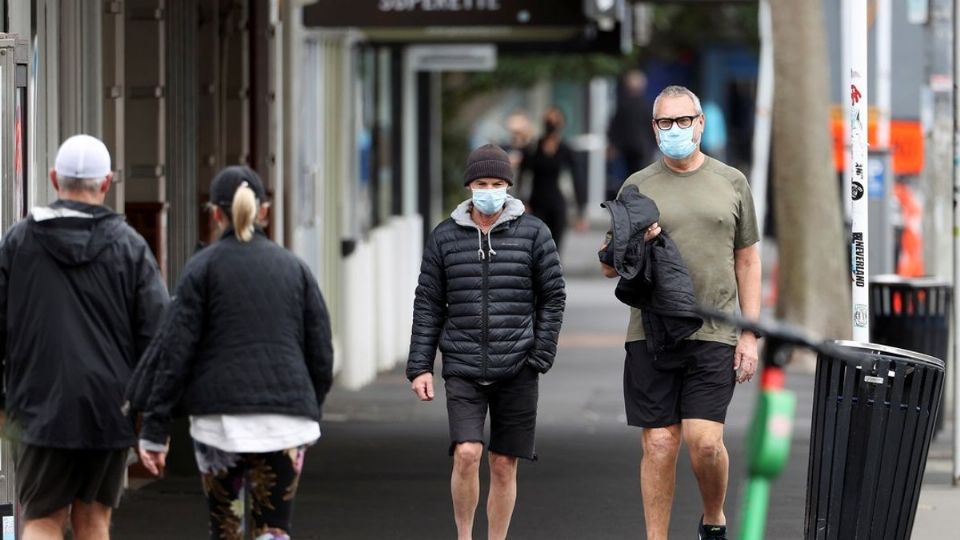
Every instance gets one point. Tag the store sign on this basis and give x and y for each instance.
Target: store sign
(453, 57)
(439, 5)
(421, 13)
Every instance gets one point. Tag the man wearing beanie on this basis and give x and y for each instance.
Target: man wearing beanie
(80, 298)
(491, 296)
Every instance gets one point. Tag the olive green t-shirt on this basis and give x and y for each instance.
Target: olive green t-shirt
(708, 213)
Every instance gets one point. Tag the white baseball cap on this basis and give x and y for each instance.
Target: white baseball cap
(82, 156)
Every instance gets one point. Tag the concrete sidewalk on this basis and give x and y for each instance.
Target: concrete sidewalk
(938, 512)
(382, 470)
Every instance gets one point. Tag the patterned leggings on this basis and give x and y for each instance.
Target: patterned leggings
(270, 481)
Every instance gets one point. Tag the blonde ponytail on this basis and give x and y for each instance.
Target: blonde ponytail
(243, 211)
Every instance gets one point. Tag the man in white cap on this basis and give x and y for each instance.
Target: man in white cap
(80, 297)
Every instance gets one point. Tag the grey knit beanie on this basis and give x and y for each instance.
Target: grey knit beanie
(488, 161)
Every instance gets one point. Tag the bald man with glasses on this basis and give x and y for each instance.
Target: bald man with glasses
(681, 394)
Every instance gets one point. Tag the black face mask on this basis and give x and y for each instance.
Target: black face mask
(550, 127)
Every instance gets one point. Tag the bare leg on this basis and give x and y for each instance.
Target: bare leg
(658, 478)
(465, 486)
(710, 464)
(91, 521)
(503, 494)
(48, 527)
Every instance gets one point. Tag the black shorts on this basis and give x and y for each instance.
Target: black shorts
(695, 379)
(50, 479)
(513, 412)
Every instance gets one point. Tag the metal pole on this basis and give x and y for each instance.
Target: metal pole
(956, 249)
(845, 79)
(763, 119)
(857, 95)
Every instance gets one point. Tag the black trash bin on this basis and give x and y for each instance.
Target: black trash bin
(873, 413)
(912, 314)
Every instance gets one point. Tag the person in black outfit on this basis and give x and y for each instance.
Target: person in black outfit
(80, 298)
(632, 144)
(546, 161)
(491, 297)
(245, 350)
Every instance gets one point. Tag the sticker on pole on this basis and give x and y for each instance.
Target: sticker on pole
(856, 190)
(860, 317)
(858, 261)
(873, 380)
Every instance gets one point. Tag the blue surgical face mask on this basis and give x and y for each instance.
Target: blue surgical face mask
(677, 142)
(489, 201)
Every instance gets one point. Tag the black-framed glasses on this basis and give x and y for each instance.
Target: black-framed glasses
(683, 121)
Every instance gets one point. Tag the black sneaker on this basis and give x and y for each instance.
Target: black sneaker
(717, 532)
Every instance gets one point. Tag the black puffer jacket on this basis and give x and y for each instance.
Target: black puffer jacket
(493, 303)
(80, 298)
(653, 276)
(247, 332)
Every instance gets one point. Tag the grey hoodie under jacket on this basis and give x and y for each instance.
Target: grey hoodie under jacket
(493, 303)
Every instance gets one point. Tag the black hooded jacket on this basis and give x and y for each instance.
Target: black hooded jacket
(80, 298)
(653, 277)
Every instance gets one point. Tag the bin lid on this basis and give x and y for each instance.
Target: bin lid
(894, 279)
(889, 351)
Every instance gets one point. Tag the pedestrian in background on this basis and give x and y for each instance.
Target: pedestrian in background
(80, 297)
(546, 161)
(246, 352)
(682, 393)
(520, 131)
(491, 296)
(631, 145)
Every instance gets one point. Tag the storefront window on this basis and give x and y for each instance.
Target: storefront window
(384, 141)
(366, 71)
(310, 135)
(571, 98)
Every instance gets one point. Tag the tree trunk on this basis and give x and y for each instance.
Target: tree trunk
(814, 274)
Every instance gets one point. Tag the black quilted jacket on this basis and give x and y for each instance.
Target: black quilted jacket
(653, 276)
(493, 303)
(247, 332)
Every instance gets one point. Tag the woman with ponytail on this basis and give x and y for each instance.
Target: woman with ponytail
(245, 351)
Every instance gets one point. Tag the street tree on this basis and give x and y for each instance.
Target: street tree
(814, 274)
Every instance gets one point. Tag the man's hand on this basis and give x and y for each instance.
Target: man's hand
(608, 271)
(652, 232)
(154, 462)
(745, 358)
(422, 386)
(605, 269)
